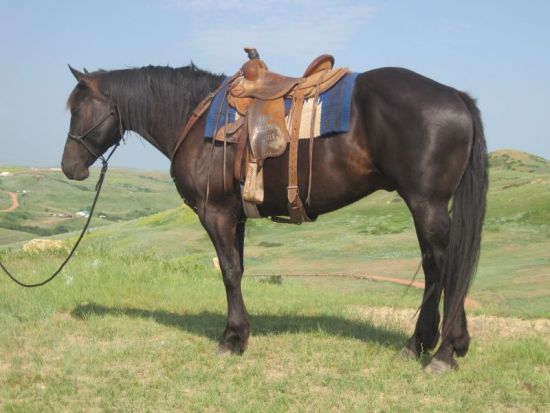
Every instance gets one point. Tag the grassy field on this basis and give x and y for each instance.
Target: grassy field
(134, 333)
(48, 201)
(132, 323)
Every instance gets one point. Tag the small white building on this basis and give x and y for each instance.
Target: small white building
(6, 173)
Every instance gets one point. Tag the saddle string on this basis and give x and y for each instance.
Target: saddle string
(225, 144)
(427, 294)
(311, 139)
(292, 110)
(413, 277)
(310, 165)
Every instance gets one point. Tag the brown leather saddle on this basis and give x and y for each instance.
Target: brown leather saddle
(262, 129)
(258, 96)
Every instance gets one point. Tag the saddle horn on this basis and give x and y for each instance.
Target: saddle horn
(252, 53)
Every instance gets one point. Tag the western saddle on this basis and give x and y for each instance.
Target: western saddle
(262, 129)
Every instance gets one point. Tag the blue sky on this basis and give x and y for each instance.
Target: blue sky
(495, 50)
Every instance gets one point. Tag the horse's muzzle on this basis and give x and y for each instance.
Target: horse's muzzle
(75, 171)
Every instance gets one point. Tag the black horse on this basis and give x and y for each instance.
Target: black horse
(407, 134)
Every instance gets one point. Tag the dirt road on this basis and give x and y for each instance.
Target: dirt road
(14, 202)
(470, 302)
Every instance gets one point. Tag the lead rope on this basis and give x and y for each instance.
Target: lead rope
(98, 186)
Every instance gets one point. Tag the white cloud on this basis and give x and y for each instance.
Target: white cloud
(280, 29)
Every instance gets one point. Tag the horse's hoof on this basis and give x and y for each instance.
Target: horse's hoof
(408, 353)
(230, 347)
(436, 366)
(224, 350)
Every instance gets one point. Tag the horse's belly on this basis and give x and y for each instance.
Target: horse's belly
(341, 174)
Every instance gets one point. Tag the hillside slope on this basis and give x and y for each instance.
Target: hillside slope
(373, 236)
(49, 203)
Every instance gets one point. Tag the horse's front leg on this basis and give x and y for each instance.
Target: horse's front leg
(227, 235)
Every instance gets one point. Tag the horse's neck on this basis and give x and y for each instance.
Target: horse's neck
(165, 117)
(158, 134)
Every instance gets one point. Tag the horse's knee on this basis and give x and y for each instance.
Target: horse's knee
(232, 283)
(232, 275)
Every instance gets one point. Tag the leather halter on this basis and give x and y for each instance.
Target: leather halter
(80, 138)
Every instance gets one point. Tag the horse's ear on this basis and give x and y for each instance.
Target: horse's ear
(85, 71)
(78, 75)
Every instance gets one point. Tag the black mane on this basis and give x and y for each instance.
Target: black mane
(141, 92)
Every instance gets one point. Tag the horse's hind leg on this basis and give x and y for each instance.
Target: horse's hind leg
(431, 219)
(227, 235)
(456, 340)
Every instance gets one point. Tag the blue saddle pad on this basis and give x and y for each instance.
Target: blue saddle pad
(335, 109)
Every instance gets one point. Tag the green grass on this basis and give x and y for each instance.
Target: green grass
(372, 236)
(8, 236)
(518, 161)
(43, 193)
(375, 236)
(132, 322)
(137, 333)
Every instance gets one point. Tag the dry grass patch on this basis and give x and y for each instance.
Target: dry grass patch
(42, 245)
(482, 326)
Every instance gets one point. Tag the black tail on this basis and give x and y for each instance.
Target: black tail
(468, 213)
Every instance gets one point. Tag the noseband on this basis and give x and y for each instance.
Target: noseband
(80, 138)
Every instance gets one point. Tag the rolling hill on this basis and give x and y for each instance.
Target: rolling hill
(372, 236)
(131, 323)
(51, 204)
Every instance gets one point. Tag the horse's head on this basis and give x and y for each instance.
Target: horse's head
(95, 126)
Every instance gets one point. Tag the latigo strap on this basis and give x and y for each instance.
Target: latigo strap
(296, 209)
